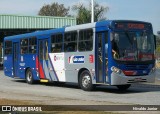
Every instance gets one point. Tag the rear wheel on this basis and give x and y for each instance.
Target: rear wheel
(85, 81)
(29, 76)
(123, 87)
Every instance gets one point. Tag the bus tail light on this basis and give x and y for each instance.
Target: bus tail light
(91, 58)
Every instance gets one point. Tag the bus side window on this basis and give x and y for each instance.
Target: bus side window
(70, 41)
(85, 40)
(8, 47)
(32, 45)
(24, 46)
(56, 43)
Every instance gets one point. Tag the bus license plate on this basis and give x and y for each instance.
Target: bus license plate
(138, 79)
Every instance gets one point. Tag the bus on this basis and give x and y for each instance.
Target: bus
(1, 54)
(111, 52)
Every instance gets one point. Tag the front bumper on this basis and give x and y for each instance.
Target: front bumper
(121, 79)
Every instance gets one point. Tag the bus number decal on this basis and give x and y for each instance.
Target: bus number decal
(22, 59)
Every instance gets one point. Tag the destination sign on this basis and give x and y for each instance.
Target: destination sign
(132, 26)
(135, 26)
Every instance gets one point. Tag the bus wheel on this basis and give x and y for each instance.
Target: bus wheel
(85, 81)
(29, 76)
(123, 87)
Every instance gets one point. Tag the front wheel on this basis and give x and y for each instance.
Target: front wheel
(123, 87)
(85, 81)
(29, 76)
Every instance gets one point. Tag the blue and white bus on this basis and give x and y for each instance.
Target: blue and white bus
(112, 52)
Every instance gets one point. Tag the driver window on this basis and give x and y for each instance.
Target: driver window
(115, 50)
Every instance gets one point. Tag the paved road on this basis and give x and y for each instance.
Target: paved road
(71, 94)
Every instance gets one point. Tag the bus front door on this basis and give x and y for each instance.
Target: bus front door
(43, 59)
(101, 57)
(15, 59)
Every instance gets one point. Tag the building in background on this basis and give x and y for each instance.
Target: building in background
(13, 25)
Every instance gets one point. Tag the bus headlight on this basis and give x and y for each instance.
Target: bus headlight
(116, 70)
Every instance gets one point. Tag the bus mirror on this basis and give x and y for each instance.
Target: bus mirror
(155, 41)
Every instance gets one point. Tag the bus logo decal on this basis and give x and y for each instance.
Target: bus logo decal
(58, 58)
(22, 64)
(76, 59)
(55, 58)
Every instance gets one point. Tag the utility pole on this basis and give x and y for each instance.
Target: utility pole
(92, 19)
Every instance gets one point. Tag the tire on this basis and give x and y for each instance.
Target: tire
(85, 81)
(29, 76)
(123, 87)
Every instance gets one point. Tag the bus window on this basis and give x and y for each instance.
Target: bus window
(70, 41)
(32, 45)
(46, 50)
(24, 46)
(85, 40)
(56, 43)
(8, 47)
(41, 57)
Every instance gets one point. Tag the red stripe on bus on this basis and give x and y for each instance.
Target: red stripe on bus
(36, 63)
(40, 68)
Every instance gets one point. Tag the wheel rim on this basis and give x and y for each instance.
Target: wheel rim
(86, 81)
(29, 76)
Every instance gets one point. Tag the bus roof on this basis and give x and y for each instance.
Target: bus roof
(36, 33)
(106, 23)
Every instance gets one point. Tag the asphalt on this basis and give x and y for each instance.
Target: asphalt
(71, 94)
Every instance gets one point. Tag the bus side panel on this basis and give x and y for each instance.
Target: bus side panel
(56, 67)
(75, 61)
(70, 67)
(8, 66)
(27, 61)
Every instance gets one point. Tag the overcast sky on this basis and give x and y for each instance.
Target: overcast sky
(143, 10)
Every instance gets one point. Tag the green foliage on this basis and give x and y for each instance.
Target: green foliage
(157, 44)
(54, 9)
(158, 49)
(84, 13)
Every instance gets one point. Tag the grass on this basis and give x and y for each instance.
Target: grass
(15, 102)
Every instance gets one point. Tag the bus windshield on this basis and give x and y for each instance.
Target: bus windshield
(132, 46)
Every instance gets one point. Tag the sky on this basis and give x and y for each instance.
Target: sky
(142, 10)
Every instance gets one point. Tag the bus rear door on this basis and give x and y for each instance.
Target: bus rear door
(43, 58)
(101, 57)
(15, 59)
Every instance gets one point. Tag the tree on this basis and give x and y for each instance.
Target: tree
(54, 9)
(99, 12)
(158, 45)
(84, 13)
